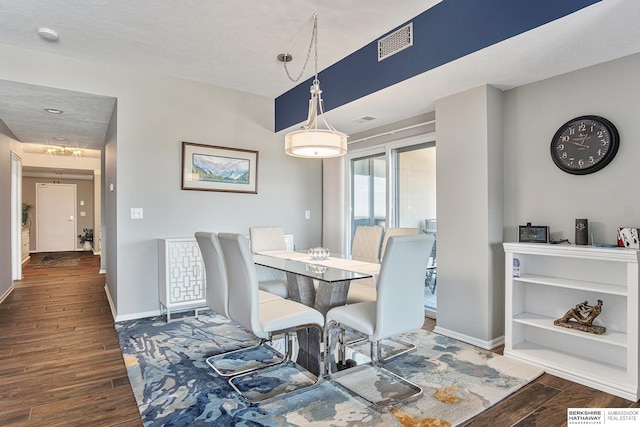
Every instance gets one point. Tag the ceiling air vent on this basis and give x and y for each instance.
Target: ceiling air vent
(399, 40)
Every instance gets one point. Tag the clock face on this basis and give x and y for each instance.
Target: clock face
(584, 145)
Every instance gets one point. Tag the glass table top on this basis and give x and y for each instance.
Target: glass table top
(315, 270)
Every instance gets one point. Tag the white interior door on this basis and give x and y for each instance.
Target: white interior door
(55, 217)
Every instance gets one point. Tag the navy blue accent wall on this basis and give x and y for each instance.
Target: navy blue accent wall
(447, 31)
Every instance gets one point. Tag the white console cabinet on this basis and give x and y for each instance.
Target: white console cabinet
(553, 279)
(25, 244)
(181, 275)
(181, 279)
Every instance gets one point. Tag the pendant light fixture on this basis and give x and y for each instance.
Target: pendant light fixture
(312, 141)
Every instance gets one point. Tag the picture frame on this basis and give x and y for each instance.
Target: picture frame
(215, 168)
(533, 233)
(628, 238)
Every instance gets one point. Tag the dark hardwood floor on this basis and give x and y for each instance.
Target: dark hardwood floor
(60, 362)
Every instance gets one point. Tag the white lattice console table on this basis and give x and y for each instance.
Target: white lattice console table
(181, 279)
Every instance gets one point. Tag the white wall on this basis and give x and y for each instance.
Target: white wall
(109, 252)
(154, 115)
(536, 190)
(469, 213)
(7, 144)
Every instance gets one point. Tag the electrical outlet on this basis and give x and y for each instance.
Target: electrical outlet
(307, 214)
(136, 213)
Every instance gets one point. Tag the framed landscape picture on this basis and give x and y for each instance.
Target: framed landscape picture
(212, 168)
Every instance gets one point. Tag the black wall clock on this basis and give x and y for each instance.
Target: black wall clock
(585, 145)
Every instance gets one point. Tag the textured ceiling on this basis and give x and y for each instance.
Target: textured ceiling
(83, 123)
(234, 44)
(228, 43)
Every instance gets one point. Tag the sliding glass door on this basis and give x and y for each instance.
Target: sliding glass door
(395, 186)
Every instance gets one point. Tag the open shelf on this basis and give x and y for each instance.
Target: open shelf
(610, 337)
(609, 378)
(572, 284)
(550, 280)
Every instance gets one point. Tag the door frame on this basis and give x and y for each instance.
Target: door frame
(16, 216)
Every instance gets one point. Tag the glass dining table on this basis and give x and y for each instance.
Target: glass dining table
(318, 283)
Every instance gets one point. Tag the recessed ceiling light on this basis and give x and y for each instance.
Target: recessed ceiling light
(60, 138)
(53, 111)
(48, 34)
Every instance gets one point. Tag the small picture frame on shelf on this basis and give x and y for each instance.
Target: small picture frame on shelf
(628, 238)
(533, 233)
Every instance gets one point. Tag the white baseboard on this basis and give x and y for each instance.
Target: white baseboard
(6, 294)
(138, 315)
(487, 345)
(111, 306)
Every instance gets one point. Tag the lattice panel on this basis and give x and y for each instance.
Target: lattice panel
(186, 272)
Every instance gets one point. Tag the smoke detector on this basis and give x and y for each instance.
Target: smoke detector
(48, 34)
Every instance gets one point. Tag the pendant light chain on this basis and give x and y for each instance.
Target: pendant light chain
(311, 140)
(314, 42)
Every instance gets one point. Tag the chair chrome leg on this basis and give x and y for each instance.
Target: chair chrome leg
(328, 351)
(237, 378)
(411, 347)
(288, 346)
(351, 379)
(224, 373)
(342, 347)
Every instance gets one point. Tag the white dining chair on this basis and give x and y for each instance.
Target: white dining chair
(396, 231)
(217, 295)
(267, 319)
(270, 238)
(366, 242)
(397, 309)
(365, 246)
(215, 272)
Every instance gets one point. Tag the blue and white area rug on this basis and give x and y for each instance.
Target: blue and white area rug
(174, 386)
